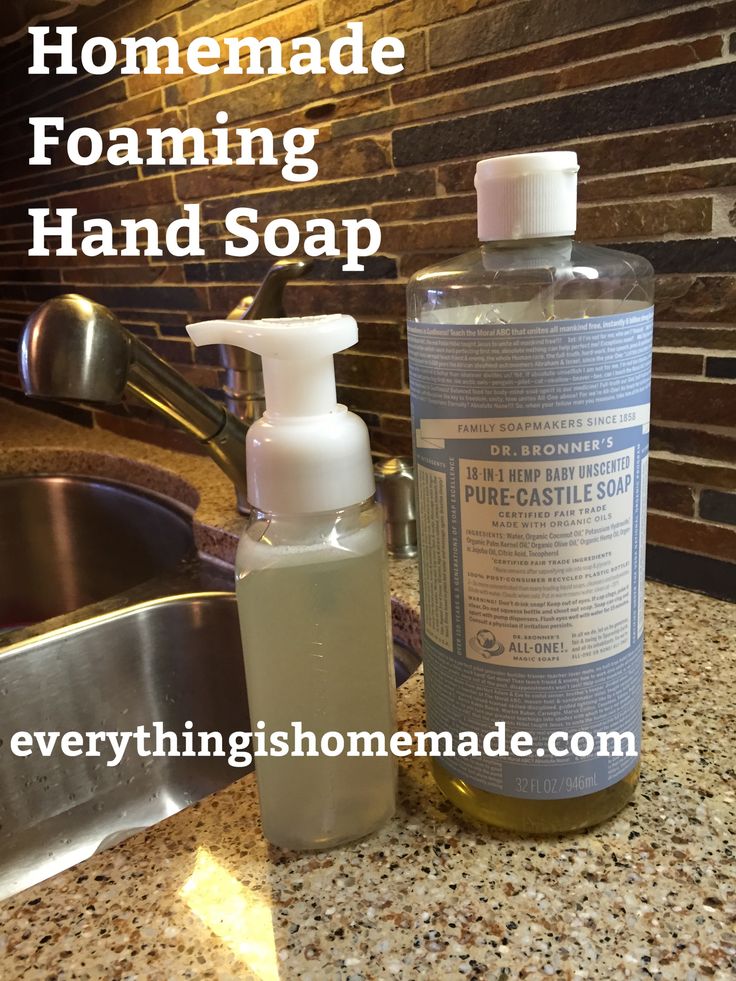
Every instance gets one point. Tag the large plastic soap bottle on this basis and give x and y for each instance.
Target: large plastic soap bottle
(530, 362)
(312, 588)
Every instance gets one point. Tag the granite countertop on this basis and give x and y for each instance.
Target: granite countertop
(651, 893)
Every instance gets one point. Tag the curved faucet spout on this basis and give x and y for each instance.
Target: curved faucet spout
(73, 349)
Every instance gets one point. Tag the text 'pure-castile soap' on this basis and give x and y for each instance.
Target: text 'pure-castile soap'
(530, 367)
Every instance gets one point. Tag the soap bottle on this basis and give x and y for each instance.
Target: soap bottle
(312, 588)
(530, 364)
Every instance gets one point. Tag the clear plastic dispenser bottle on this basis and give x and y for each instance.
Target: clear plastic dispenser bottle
(530, 363)
(312, 588)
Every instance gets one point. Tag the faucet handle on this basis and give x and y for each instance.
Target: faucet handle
(269, 299)
(243, 375)
(238, 312)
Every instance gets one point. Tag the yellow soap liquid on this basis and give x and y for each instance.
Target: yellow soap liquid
(536, 816)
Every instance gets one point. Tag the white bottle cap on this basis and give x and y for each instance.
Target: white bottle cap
(307, 453)
(527, 195)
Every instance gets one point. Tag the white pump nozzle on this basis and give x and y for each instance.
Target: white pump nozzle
(307, 453)
(298, 370)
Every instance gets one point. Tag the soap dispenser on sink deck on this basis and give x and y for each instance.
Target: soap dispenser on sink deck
(312, 589)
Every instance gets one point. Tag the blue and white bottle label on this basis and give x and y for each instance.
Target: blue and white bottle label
(531, 449)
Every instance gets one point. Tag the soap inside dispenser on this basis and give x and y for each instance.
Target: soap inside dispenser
(312, 590)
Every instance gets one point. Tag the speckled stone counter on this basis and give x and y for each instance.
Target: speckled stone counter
(652, 893)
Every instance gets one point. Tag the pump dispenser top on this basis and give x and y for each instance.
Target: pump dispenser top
(307, 453)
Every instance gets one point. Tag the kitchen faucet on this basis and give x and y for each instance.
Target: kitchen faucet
(73, 349)
(243, 374)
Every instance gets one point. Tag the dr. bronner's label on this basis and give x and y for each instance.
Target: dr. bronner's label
(531, 448)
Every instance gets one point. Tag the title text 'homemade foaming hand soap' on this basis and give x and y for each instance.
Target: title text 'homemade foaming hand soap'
(312, 588)
(530, 364)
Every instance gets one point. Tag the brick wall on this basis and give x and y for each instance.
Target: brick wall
(644, 90)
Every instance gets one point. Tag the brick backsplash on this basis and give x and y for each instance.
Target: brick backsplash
(644, 90)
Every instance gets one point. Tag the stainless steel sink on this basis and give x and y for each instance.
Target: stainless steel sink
(67, 542)
(175, 660)
(160, 644)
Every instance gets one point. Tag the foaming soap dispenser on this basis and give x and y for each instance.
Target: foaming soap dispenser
(312, 590)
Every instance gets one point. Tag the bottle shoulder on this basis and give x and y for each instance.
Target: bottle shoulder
(531, 282)
(612, 261)
(275, 540)
(540, 261)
